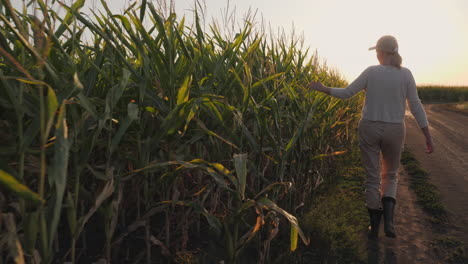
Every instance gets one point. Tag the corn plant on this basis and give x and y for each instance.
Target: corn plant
(160, 143)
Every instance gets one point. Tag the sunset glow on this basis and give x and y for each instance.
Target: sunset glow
(433, 35)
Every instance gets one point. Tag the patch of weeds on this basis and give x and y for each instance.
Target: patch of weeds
(452, 249)
(426, 192)
(337, 220)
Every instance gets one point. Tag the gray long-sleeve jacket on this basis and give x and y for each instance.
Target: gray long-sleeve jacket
(388, 89)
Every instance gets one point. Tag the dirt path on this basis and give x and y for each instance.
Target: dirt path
(448, 165)
(413, 230)
(448, 169)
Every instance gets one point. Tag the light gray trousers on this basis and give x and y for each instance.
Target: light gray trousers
(381, 144)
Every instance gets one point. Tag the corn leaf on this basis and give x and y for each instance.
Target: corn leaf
(87, 105)
(142, 10)
(58, 175)
(12, 184)
(240, 163)
(293, 238)
(69, 17)
(267, 79)
(52, 105)
(71, 214)
(132, 110)
(103, 195)
(183, 94)
(31, 229)
(114, 94)
(268, 204)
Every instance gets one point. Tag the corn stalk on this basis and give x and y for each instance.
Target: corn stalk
(200, 144)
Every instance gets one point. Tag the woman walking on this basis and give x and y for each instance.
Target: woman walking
(381, 129)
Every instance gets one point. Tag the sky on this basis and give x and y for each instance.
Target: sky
(432, 34)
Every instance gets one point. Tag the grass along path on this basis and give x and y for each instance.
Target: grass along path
(336, 218)
(441, 172)
(447, 247)
(337, 222)
(426, 192)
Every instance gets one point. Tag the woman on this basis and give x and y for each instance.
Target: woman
(388, 87)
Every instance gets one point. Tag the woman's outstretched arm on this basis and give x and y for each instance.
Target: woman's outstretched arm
(357, 85)
(318, 86)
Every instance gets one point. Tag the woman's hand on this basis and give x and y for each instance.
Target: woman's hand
(429, 141)
(429, 145)
(317, 86)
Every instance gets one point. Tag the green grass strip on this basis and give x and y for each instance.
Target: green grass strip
(337, 220)
(427, 194)
(451, 249)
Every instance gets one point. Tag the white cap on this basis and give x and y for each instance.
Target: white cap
(387, 44)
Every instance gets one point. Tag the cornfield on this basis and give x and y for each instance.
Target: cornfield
(157, 144)
(443, 94)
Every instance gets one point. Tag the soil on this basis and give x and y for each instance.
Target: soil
(414, 236)
(448, 165)
(448, 170)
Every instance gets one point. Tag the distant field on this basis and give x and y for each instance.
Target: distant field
(443, 94)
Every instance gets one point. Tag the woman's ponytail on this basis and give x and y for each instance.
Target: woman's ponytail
(395, 59)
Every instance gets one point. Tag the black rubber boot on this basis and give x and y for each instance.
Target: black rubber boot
(374, 216)
(388, 209)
